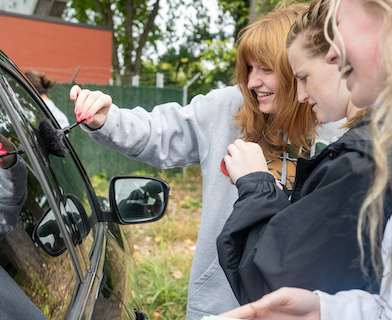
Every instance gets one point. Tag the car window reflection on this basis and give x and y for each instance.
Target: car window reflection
(22, 204)
(67, 178)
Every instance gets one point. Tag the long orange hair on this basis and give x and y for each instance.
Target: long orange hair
(264, 42)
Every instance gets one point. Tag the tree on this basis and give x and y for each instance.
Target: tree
(133, 27)
(182, 58)
(135, 31)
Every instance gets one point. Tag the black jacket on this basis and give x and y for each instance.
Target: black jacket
(309, 242)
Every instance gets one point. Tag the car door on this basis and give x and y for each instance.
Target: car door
(68, 284)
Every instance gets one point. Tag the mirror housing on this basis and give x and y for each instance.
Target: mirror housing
(48, 236)
(47, 233)
(138, 199)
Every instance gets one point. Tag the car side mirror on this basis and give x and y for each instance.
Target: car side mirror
(138, 199)
(47, 233)
(48, 236)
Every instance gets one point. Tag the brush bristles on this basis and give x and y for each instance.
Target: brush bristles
(52, 139)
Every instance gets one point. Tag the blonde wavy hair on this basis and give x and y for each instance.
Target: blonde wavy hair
(371, 216)
(264, 42)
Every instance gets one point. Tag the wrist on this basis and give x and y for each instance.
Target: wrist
(8, 161)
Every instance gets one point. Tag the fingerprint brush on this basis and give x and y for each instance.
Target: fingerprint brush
(16, 151)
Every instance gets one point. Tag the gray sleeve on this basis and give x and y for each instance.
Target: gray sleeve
(348, 305)
(13, 186)
(169, 136)
(14, 303)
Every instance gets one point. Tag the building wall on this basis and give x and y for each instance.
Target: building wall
(57, 48)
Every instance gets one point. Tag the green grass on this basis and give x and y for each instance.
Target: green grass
(163, 279)
(163, 250)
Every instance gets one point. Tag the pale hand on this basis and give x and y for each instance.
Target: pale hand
(92, 106)
(282, 304)
(244, 158)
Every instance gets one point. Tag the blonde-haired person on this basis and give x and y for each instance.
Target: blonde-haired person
(263, 101)
(362, 49)
(309, 242)
(43, 83)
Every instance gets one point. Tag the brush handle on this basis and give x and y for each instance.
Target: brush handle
(16, 151)
(67, 130)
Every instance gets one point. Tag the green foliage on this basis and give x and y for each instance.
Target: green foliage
(182, 61)
(163, 279)
(191, 204)
(142, 173)
(20, 278)
(239, 10)
(41, 290)
(100, 183)
(132, 23)
(222, 54)
(135, 32)
(163, 250)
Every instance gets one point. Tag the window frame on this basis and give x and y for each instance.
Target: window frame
(87, 285)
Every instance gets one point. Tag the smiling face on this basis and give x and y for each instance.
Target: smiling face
(318, 82)
(361, 28)
(263, 82)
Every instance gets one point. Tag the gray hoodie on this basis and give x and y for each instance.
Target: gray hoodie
(14, 303)
(13, 182)
(174, 136)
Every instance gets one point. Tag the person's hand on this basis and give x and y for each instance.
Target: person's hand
(92, 106)
(5, 147)
(244, 158)
(282, 304)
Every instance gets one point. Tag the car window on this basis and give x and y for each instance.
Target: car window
(66, 174)
(48, 281)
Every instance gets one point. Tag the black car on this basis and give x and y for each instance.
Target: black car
(68, 251)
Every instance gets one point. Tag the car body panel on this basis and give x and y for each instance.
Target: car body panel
(90, 279)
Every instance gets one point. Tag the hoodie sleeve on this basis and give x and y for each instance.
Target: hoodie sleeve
(13, 186)
(269, 242)
(170, 135)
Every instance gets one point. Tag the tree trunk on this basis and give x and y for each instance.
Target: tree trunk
(128, 48)
(144, 36)
(253, 14)
(31, 205)
(116, 65)
(24, 251)
(128, 74)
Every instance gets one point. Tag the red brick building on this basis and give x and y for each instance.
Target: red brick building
(67, 51)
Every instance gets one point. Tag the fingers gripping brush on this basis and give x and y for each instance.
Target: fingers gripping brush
(16, 151)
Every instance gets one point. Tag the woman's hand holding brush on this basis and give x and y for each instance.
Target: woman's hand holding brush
(92, 106)
(6, 147)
